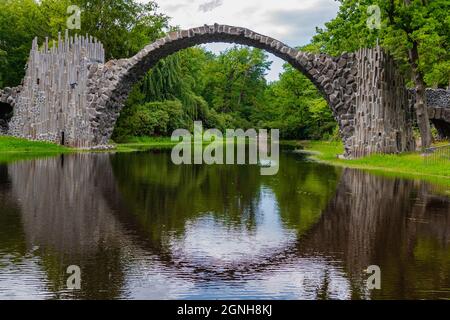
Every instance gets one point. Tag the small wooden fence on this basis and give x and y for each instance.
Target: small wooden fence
(439, 154)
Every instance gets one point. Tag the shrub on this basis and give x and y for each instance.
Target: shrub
(150, 119)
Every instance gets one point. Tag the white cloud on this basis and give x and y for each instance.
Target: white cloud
(290, 21)
(210, 5)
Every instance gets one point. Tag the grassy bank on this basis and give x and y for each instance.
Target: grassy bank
(12, 149)
(408, 165)
(143, 143)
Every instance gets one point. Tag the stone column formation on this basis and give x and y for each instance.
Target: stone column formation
(69, 89)
(383, 119)
(51, 104)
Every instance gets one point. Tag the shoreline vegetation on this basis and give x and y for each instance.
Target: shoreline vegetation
(412, 165)
(408, 165)
(14, 149)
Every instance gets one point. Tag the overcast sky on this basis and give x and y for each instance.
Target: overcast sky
(290, 21)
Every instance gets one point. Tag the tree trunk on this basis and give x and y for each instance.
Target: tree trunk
(420, 106)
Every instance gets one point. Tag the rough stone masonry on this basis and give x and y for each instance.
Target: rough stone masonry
(438, 103)
(51, 103)
(70, 96)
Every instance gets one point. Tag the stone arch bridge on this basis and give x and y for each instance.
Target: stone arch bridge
(71, 96)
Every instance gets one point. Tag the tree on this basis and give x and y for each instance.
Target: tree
(20, 22)
(179, 76)
(415, 32)
(235, 83)
(294, 105)
(123, 26)
(150, 119)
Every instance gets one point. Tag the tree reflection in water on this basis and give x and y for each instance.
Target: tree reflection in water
(139, 226)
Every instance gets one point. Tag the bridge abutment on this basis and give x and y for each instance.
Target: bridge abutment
(52, 105)
(382, 117)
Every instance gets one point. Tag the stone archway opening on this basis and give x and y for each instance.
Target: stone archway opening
(442, 127)
(328, 119)
(370, 105)
(6, 113)
(334, 77)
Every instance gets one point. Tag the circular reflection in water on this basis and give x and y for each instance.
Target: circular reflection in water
(140, 227)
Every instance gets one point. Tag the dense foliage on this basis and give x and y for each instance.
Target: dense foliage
(403, 24)
(294, 105)
(228, 90)
(415, 32)
(123, 26)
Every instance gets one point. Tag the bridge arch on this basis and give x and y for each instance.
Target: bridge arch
(110, 83)
(8, 97)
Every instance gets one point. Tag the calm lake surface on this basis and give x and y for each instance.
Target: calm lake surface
(140, 227)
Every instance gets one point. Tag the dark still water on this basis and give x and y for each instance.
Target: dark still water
(140, 227)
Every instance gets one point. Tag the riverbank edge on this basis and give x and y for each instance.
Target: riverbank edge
(15, 149)
(409, 165)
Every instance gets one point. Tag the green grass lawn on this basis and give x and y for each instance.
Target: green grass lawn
(408, 165)
(12, 149)
(143, 143)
